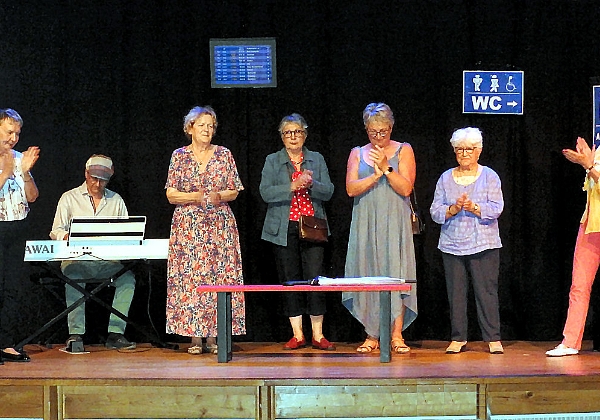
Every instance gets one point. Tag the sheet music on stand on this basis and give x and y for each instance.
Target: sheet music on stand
(122, 230)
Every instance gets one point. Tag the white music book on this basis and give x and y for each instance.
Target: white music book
(118, 230)
(327, 281)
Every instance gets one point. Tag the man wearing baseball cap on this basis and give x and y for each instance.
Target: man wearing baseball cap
(92, 198)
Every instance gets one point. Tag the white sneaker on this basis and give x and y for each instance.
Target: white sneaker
(562, 350)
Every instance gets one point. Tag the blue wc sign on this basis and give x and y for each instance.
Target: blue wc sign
(493, 92)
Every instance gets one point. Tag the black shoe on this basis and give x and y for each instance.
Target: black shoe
(75, 344)
(119, 342)
(21, 356)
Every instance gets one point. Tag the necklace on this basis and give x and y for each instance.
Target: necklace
(299, 161)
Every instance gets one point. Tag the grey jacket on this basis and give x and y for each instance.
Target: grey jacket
(275, 191)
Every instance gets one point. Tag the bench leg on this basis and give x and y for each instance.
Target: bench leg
(223, 327)
(385, 327)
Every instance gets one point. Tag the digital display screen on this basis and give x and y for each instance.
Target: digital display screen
(243, 63)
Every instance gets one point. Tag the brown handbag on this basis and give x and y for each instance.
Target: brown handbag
(313, 229)
(418, 225)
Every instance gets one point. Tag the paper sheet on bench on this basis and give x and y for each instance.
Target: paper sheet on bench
(327, 281)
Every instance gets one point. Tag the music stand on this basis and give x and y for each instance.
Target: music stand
(86, 233)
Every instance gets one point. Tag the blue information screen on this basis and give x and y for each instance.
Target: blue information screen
(243, 64)
(596, 93)
(493, 92)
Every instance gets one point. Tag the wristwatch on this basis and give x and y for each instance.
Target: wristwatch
(476, 207)
(389, 170)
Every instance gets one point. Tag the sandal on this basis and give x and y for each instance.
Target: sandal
(399, 346)
(368, 346)
(195, 350)
(211, 345)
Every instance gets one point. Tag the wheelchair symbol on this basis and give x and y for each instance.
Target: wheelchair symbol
(510, 86)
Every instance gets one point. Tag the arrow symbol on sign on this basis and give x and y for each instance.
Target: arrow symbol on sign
(513, 104)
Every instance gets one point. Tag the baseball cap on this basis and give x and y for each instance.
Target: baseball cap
(100, 166)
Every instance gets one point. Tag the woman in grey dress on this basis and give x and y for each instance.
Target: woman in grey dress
(380, 176)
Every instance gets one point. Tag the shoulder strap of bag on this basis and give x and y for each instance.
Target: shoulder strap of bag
(413, 198)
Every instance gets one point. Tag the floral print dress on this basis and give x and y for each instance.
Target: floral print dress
(204, 246)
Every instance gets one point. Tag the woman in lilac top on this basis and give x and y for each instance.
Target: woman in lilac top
(467, 203)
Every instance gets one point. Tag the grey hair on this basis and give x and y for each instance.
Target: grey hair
(194, 114)
(469, 135)
(294, 118)
(378, 111)
(11, 114)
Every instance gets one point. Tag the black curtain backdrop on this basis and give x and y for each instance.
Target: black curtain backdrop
(118, 77)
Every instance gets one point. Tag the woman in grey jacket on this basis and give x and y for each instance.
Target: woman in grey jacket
(295, 182)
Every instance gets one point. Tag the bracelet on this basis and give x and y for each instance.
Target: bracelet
(588, 170)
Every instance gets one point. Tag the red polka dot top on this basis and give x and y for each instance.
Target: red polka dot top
(301, 203)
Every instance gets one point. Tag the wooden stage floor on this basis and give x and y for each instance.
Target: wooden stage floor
(263, 381)
(426, 360)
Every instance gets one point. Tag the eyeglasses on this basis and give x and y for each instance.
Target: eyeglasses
(375, 134)
(462, 150)
(288, 133)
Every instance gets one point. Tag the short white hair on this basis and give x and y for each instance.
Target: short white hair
(468, 135)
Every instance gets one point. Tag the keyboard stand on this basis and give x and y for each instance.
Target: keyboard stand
(91, 295)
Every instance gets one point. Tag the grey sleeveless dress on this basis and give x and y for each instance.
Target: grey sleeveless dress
(380, 244)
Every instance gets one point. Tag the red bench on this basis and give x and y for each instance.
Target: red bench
(224, 309)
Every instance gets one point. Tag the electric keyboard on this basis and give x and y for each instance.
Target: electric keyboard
(48, 250)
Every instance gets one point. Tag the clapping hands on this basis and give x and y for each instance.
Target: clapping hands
(464, 203)
(460, 202)
(305, 180)
(379, 158)
(30, 156)
(582, 155)
(7, 164)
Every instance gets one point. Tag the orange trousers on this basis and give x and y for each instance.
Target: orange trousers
(586, 260)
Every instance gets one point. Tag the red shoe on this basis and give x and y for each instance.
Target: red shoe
(323, 344)
(294, 344)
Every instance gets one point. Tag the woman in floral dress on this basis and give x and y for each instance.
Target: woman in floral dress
(204, 247)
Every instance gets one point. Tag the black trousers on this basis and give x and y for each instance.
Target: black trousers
(12, 252)
(484, 268)
(300, 260)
